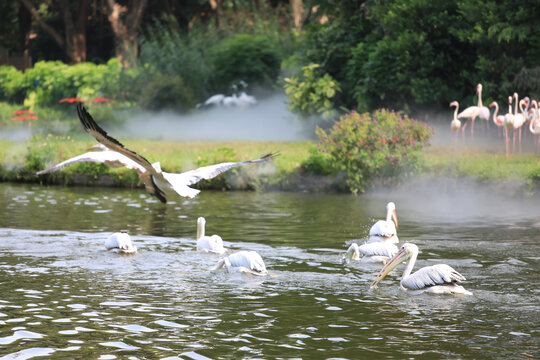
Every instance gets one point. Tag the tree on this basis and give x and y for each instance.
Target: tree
(74, 40)
(125, 21)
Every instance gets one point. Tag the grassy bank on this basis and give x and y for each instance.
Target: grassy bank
(20, 160)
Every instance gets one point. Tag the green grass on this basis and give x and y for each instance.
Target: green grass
(20, 160)
(483, 165)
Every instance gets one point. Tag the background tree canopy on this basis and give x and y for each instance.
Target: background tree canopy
(404, 54)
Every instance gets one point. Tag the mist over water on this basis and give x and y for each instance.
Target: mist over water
(268, 120)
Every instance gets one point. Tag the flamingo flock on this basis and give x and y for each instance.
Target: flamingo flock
(520, 111)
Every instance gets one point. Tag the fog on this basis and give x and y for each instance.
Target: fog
(268, 120)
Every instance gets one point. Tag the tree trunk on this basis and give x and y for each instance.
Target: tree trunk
(297, 10)
(125, 30)
(75, 32)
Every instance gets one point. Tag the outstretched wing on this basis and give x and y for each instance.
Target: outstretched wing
(111, 158)
(91, 127)
(208, 172)
(440, 274)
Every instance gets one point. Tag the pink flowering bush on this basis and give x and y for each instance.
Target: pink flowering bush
(382, 145)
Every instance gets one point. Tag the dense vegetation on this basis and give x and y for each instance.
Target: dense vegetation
(333, 59)
(405, 54)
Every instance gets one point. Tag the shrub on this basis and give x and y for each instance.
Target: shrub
(311, 93)
(166, 92)
(246, 57)
(366, 146)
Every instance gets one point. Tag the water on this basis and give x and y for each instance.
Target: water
(62, 295)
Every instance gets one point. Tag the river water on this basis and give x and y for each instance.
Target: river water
(62, 295)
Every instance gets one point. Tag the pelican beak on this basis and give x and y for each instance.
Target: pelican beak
(394, 217)
(393, 263)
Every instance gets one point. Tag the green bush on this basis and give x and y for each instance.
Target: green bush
(166, 92)
(13, 87)
(246, 57)
(311, 93)
(381, 145)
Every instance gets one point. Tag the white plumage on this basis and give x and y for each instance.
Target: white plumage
(385, 230)
(120, 241)
(157, 182)
(105, 156)
(436, 279)
(249, 262)
(212, 243)
(376, 252)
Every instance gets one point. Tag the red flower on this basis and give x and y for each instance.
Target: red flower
(71, 100)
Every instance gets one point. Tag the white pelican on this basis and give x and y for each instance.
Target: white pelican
(105, 156)
(377, 252)
(160, 183)
(212, 243)
(385, 230)
(249, 262)
(435, 279)
(246, 100)
(120, 241)
(214, 100)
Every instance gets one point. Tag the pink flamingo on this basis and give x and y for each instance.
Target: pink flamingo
(472, 112)
(499, 121)
(455, 124)
(534, 125)
(519, 120)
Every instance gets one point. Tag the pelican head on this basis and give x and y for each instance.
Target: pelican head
(391, 209)
(201, 222)
(405, 252)
(353, 253)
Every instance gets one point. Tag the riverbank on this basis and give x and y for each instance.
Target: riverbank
(292, 170)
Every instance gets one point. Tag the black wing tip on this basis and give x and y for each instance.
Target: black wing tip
(270, 156)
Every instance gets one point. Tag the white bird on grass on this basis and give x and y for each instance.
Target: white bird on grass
(212, 243)
(249, 262)
(377, 252)
(121, 241)
(157, 182)
(436, 279)
(385, 230)
(472, 112)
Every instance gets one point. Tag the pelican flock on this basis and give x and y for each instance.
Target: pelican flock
(157, 182)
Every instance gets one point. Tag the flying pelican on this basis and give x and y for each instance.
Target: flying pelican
(160, 183)
(249, 262)
(212, 243)
(377, 252)
(435, 279)
(385, 230)
(120, 241)
(105, 156)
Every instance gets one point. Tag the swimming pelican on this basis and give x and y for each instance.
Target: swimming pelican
(385, 230)
(249, 262)
(120, 241)
(157, 182)
(377, 252)
(105, 156)
(214, 100)
(435, 279)
(212, 243)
